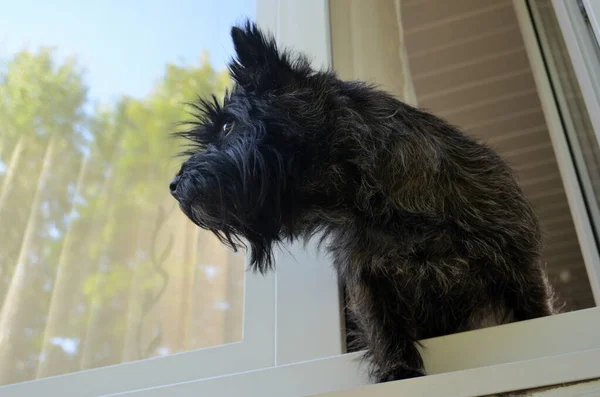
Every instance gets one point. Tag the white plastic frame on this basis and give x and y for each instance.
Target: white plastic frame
(582, 48)
(593, 11)
(529, 354)
(308, 315)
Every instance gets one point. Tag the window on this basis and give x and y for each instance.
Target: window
(292, 341)
(99, 267)
(575, 116)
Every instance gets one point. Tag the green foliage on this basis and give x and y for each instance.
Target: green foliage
(105, 195)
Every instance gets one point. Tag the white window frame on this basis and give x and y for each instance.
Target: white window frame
(593, 11)
(292, 329)
(530, 354)
(308, 316)
(586, 64)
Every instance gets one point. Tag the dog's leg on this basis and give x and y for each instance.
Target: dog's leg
(408, 353)
(386, 329)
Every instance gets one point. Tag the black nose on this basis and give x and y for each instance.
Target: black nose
(173, 185)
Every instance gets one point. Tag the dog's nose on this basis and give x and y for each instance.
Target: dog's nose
(173, 185)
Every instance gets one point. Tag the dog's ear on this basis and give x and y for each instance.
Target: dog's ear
(253, 48)
(259, 65)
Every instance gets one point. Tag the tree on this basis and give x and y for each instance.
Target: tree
(152, 249)
(106, 266)
(42, 104)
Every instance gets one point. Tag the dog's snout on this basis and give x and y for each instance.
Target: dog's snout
(173, 185)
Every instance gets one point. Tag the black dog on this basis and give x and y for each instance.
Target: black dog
(428, 229)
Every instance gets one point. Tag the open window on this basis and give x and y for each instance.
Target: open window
(104, 285)
(520, 75)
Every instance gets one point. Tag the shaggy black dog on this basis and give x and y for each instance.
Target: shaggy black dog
(428, 229)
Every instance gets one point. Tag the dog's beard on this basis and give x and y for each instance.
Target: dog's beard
(236, 193)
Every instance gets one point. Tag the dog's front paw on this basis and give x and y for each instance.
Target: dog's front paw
(399, 374)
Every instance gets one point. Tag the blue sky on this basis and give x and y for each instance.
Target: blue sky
(123, 44)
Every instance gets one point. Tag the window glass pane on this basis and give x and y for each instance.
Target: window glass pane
(583, 140)
(97, 264)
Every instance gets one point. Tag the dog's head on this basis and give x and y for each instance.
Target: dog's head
(252, 158)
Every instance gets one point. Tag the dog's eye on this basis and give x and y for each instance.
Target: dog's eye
(227, 127)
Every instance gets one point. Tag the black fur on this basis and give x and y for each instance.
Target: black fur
(428, 229)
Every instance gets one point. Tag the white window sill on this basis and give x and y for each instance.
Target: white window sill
(531, 354)
(485, 381)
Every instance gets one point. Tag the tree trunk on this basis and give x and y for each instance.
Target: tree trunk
(64, 286)
(187, 284)
(102, 215)
(10, 170)
(133, 339)
(12, 307)
(235, 297)
(210, 290)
